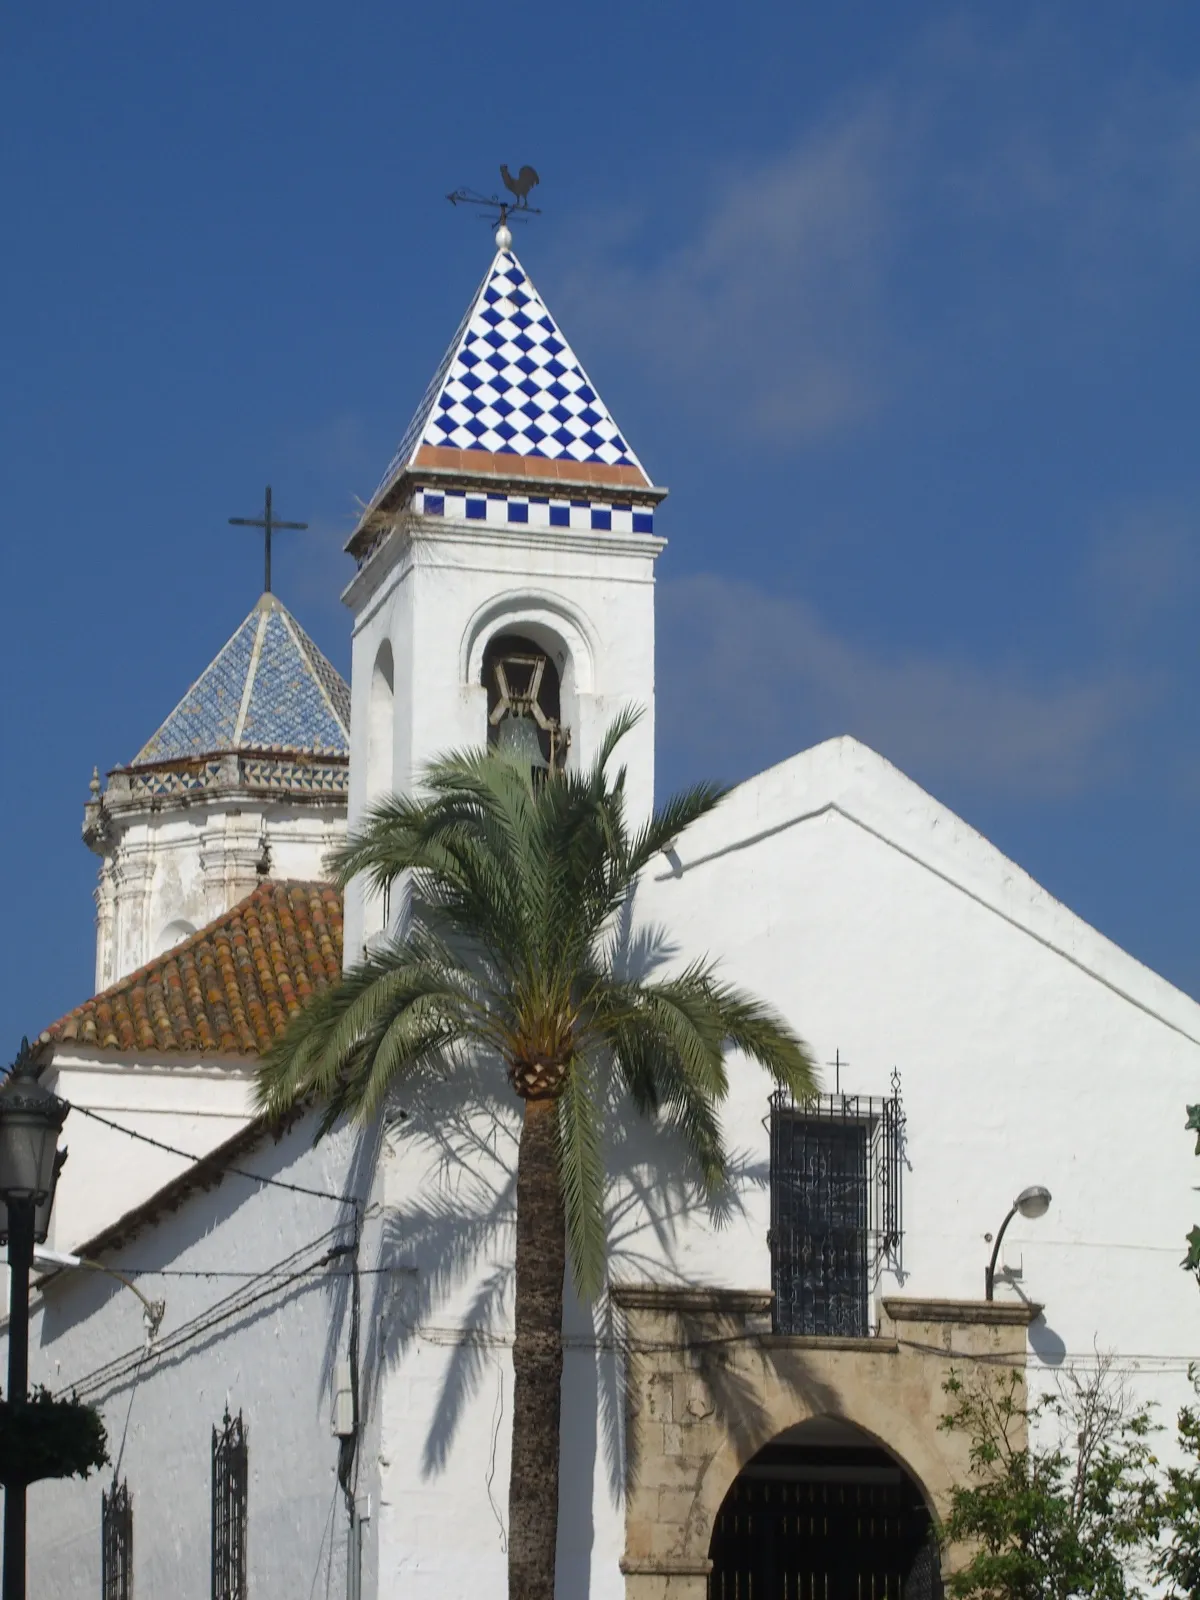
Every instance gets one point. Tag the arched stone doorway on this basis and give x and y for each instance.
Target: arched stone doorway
(711, 1390)
(823, 1513)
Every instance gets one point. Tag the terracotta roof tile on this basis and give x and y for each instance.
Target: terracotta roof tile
(232, 987)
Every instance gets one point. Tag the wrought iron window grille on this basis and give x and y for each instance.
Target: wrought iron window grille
(836, 1207)
(230, 1477)
(116, 1543)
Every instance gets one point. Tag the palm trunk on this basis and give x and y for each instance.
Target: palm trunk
(537, 1358)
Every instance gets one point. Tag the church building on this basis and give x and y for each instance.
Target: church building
(311, 1390)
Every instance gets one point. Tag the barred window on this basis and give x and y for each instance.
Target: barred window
(835, 1208)
(116, 1543)
(229, 1483)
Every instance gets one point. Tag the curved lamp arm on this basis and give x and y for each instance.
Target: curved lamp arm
(153, 1310)
(990, 1275)
(1032, 1203)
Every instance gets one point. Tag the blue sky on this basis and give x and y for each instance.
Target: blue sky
(899, 301)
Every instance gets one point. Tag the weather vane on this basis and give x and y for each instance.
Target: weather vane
(501, 210)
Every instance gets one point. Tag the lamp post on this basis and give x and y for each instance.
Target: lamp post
(1031, 1202)
(30, 1120)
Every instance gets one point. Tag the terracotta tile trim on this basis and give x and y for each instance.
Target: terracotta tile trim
(474, 463)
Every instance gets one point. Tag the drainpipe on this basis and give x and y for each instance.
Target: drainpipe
(354, 1550)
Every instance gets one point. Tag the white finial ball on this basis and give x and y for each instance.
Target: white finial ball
(503, 238)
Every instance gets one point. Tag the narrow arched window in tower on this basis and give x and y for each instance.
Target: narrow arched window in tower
(524, 702)
(381, 723)
(381, 739)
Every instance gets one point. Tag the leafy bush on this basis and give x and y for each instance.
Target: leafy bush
(47, 1438)
(1177, 1563)
(1076, 1518)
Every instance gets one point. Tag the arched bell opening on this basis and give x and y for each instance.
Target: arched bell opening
(524, 701)
(824, 1513)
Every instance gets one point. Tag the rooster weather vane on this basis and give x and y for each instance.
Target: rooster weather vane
(499, 209)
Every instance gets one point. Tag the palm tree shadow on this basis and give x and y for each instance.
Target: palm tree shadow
(444, 1251)
(361, 1166)
(655, 1198)
(448, 1232)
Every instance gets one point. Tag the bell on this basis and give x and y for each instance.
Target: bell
(517, 738)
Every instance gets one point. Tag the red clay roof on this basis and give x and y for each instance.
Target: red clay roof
(231, 988)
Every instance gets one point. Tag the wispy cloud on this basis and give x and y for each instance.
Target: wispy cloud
(1143, 571)
(768, 314)
(748, 678)
(337, 446)
(950, 201)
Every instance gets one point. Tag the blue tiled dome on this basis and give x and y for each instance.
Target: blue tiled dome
(269, 689)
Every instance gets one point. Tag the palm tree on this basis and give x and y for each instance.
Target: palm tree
(517, 891)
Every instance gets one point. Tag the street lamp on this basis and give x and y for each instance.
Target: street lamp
(1032, 1202)
(30, 1120)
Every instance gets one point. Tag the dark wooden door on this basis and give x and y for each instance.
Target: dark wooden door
(797, 1539)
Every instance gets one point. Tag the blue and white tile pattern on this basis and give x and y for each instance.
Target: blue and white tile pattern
(511, 384)
(535, 511)
(269, 688)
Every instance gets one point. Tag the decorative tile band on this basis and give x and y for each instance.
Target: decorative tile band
(297, 777)
(535, 511)
(160, 784)
(294, 777)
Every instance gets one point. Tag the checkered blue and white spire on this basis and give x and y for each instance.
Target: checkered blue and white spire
(510, 405)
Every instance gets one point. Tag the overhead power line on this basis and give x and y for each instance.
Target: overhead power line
(237, 1172)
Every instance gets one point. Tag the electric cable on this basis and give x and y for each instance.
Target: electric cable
(237, 1172)
(249, 1274)
(274, 1280)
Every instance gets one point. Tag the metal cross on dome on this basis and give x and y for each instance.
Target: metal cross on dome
(268, 523)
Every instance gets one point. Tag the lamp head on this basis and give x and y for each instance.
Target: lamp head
(1033, 1202)
(30, 1120)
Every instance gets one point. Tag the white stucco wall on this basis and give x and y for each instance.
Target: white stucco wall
(262, 1340)
(171, 868)
(1031, 1051)
(192, 1103)
(438, 590)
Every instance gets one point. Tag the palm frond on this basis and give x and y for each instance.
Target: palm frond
(359, 1037)
(518, 898)
(672, 819)
(758, 1031)
(654, 1081)
(624, 722)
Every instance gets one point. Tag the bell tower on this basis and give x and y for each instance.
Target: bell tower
(505, 583)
